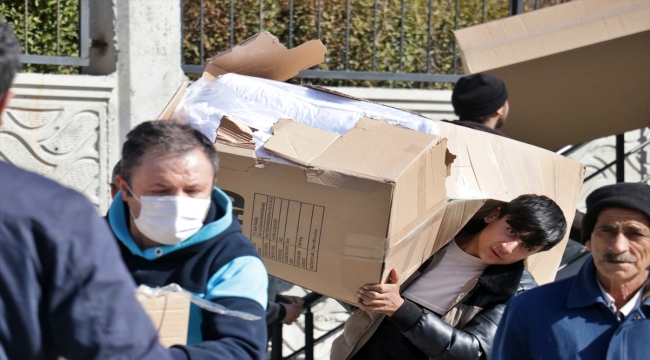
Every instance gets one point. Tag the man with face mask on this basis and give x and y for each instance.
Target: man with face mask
(174, 226)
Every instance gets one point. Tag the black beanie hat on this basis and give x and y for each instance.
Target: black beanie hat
(631, 196)
(478, 95)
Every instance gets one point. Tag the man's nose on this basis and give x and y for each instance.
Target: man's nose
(508, 246)
(620, 243)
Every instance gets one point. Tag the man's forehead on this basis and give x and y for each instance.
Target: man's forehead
(621, 215)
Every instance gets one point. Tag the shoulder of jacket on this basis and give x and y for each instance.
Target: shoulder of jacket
(226, 247)
(36, 197)
(527, 281)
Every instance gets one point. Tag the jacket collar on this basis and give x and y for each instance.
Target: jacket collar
(585, 291)
(117, 219)
(503, 279)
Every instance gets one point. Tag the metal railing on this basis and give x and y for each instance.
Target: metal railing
(276, 338)
(58, 58)
(621, 155)
(347, 72)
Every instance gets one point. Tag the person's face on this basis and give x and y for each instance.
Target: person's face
(503, 115)
(499, 244)
(189, 175)
(620, 245)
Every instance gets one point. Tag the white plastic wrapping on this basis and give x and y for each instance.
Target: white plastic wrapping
(198, 301)
(260, 103)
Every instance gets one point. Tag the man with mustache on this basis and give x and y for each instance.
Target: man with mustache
(602, 312)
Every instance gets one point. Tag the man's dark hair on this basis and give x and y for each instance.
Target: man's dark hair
(163, 138)
(117, 170)
(538, 218)
(9, 57)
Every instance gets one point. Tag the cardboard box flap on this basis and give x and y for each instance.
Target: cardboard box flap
(173, 103)
(372, 149)
(484, 169)
(298, 142)
(549, 31)
(570, 69)
(375, 149)
(263, 56)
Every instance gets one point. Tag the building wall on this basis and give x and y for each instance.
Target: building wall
(62, 126)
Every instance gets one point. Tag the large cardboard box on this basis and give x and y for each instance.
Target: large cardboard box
(575, 72)
(351, 207)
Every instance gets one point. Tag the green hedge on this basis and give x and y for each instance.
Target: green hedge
(42, 30)
(333, 32)
(42, 26)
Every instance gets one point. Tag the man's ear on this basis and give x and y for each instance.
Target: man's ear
(122, 186)
(588, 245)
(492, 215)
(4, 102)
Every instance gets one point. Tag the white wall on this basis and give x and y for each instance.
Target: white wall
(63, 127)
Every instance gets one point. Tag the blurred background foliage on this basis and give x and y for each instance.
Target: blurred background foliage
(365, 16)
(40, 33)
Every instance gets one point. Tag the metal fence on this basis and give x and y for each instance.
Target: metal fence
(347, 72)
(57, 58)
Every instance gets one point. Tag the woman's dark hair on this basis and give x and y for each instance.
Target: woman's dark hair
(163, 138)
(538, 219)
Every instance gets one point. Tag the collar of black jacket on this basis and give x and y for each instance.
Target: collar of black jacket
(476, 126)
(503, 279)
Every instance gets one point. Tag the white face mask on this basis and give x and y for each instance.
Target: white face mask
(170, 220)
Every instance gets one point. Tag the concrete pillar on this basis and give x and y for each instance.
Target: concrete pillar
(148, 44)
(103, 51)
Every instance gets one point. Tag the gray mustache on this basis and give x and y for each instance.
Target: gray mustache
(623, 258)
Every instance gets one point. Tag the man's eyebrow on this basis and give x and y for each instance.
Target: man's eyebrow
(606, 226)
(636, 227)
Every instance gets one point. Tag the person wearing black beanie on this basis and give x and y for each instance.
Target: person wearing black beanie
(481, 102)
(630, 196)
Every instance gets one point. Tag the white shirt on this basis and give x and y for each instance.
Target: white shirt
(437, 288)
(626, 309)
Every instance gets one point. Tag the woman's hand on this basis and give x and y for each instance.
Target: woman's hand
(381, 298)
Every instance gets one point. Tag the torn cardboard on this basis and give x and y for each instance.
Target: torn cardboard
(349, 207)
(170, 314)
(281, 64)
(575, 71)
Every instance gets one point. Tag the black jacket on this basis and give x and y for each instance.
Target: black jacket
(465, 332)
(473, 339)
